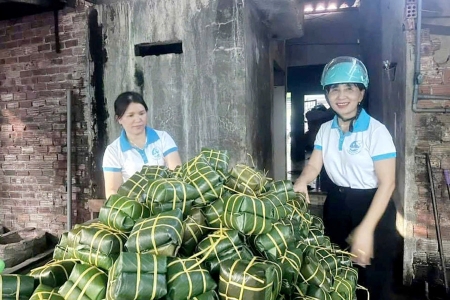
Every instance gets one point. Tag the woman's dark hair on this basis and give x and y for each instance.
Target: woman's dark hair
(360, 86)
(123, 101)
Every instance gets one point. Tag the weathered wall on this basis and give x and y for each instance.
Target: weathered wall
(382, 39)
(259, 88)
(33, 140)
(214, 94)
(326, 36)
(431, 135)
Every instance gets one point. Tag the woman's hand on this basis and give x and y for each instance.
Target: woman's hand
(361, 241)
(301, 187)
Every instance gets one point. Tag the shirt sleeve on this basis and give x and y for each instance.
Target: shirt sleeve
(111, 161)
(168, 143)
(381, 144)
(318, 141)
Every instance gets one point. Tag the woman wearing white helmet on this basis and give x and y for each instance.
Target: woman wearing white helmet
(359, 157)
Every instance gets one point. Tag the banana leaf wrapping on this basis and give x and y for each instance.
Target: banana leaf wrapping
(161, 234)
(349, 273)
(328, 260)
(218, 159)
(317, 293)
(317, 238)
(44, 292)
(299, 292)
(317, 223)
(282, 187)
(65, 249)
(186, 278)
(199, 174)
(222, 245)
(62, 249)
(138, 276)
(312, 272)
(274, 243)
(246, 180)
(254, 279)
(53, 274)
(343, 289)
(300, 229)
(135, 187)
(155, 172)
(17, 287)
(278, 203)
(209, 295)
(177, 172)
(121, 213)
(99, 247)
(85, 283)
(298, 212)
(194, 231)
(290, 263)
(247, 214)
(213, 213)
(344, 260)
(170, 193)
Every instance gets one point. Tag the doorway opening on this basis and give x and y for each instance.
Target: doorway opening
(288, 137)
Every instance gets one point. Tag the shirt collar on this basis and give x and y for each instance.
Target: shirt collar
(360, 124)
(125, 144)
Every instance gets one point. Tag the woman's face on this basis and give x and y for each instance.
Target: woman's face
(344, 99)
(134, 119)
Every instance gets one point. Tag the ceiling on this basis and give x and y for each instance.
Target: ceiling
(11, 9)
(323, 6)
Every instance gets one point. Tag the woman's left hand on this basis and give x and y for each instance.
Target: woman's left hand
(362, 245)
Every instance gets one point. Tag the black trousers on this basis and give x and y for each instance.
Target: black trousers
(344, 210)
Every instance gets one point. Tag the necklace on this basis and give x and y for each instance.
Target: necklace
(135, 145)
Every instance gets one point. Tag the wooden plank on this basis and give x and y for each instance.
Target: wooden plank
(30, 263)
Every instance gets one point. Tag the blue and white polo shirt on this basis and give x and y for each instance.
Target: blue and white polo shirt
(349, 157)
(121, 156)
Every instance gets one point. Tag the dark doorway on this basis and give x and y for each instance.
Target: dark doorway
(302, 81)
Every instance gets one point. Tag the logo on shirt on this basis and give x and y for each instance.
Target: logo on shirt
(156, 153)
(354, 148)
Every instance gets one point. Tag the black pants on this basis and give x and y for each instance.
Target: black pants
(344, 209)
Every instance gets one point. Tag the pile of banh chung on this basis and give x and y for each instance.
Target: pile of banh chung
(204, 231)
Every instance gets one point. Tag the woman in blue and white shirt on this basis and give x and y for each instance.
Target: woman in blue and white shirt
(359, 157)
(138, 144)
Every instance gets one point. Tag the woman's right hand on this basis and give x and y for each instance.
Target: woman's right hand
(301, 187)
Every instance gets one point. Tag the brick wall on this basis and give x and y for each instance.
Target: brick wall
(33, 140)
(433, 137)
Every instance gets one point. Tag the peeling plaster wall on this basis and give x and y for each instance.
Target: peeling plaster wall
(383, 38)
(259, 88)
(217, 93)
(431, 135)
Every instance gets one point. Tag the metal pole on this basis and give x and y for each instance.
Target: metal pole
(69, 160)
(436, 222)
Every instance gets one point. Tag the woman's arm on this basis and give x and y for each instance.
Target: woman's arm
(362, 239)
(173, 160)
(113, 180)
(385, 171)
(309, 173)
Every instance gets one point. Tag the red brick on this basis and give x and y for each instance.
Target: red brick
(39, 130)
(441, 90)
(446, 76)
(420, 231)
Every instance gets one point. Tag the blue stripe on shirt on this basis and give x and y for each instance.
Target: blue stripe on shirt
(167, 152)
(317, 147)
(108, 169)
(384, 156)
